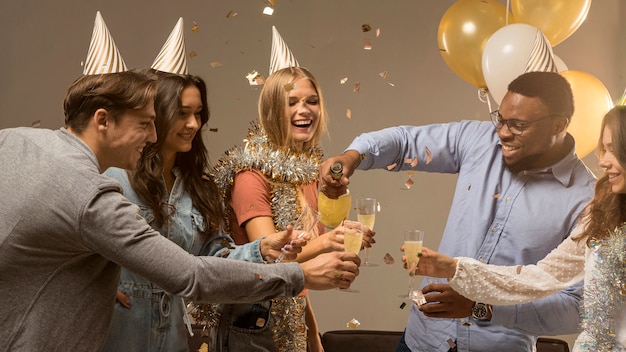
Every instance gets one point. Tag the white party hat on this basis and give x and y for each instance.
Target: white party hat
(103, 56)
(281, 56)
(173, 58)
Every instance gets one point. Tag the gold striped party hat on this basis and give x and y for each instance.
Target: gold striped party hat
(172, 57)
(103, 56)
(541, 56)
(281, 56)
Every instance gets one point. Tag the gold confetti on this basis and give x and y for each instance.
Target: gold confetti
(391, 84)
(496, 196)
(344, 80)
(255, 79)
(231, 13)
(193, 54)
(258, 276)
(357, 87)
(204, 347)
(388, 259)
(429, 156)
(195, 27)
(215, 64)
(408, 183)
(377, 32)
(366, 27)
(272, 2)
(367, 45)
(268, 11)
(384, 75)
(392, 166)
(288, 87)
(353, 324)
(36, 123)
(349, 114)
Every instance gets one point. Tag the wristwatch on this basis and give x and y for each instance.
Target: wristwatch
(479, 311)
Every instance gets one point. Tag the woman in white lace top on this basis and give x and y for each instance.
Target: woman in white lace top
(596, 251)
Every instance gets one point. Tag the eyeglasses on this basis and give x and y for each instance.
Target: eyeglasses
(516, 127)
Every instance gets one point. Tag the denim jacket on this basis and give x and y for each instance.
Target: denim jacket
(155, 321)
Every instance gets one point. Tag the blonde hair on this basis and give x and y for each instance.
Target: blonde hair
(274, 100)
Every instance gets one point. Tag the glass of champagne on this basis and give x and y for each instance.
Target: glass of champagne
(413, 240)
(352, 242)
(366, 215)
(334, 211)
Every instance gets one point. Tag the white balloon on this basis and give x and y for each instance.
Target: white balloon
(511, 51)
(560, 64)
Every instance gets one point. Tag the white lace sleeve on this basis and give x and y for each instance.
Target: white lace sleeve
(508, 285)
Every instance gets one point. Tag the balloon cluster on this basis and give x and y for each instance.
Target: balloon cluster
(488, 46)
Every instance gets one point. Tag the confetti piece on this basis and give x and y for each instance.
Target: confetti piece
(212, 129)
(268, 11)
(451, 342)
(258, 276)
(391, 84)
(496, 196)
(349, 114)
(392, 166)
(353, 324)
(193, 54)
(231, 14)
(195, 27)
(408, 183)
(344, 80)
(388, 259)
(377, 32)
(215, 64)
(357, 87)
(255, 79)
(36, 123)
(204, 347)
(272, 2)
(367, 45)
(418, 298)
(384, 75)
(429, 156)
(402, 305)
(288, 87)
(366, 27)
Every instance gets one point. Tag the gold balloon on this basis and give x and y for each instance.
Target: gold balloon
(591, 101)
(557, 19)
(463, 33)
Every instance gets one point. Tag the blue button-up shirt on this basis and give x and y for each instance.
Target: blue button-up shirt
(497, 217)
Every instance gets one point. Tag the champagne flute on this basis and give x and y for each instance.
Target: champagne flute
(334, 211)
(305, 223)
(352, 242)
(413, 240)
(366, 215)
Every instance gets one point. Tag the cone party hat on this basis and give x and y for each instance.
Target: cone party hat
(172, 57)
(103, 56)
(281, 56)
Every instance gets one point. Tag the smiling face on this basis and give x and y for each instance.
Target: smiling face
(610, 162)
(185, 126)
(127, 137)
(302, 111)
(536, 146)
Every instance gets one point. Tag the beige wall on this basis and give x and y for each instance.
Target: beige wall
(44, 42)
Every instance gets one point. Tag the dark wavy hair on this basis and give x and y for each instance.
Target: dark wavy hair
(146, 180)
(607, 210)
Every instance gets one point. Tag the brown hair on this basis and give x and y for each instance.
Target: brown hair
(146, 180)
(115, 92)
(607, 210)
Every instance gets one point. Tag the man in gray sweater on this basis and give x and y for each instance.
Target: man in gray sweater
(65, 229)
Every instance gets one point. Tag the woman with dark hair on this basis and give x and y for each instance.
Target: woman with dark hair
(595, 251)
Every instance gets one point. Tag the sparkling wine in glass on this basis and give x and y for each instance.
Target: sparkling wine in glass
(334, 211)
(352, 242)
(366, 215)
(413, 241)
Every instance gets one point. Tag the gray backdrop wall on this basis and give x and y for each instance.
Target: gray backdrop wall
(44, 42)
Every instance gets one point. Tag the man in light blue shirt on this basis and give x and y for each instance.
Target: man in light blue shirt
(519, 191)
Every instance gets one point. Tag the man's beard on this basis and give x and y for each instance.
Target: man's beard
(521, 164)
